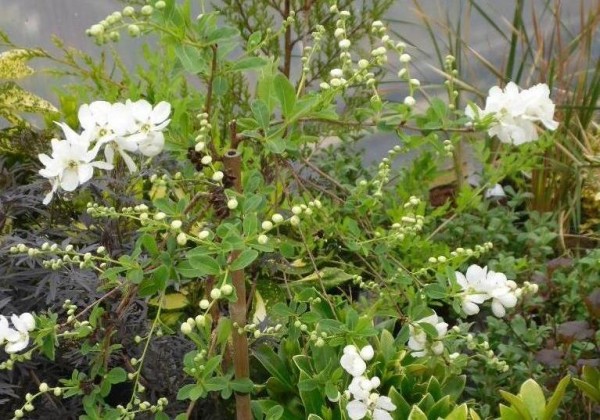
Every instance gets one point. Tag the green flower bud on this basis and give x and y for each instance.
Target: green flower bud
(128, 11)
(133, 30)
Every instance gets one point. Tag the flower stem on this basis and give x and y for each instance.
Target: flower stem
(233, 161)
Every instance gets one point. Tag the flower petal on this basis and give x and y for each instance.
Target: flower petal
(356, 410)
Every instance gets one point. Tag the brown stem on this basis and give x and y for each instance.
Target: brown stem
(288, 46)
(233, 167)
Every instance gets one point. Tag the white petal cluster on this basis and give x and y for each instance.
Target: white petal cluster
(516, 112)
(366, 402)
(17, 338)
(480, 285)
(418, 341)
(354, 361)
(71, 162)
(123, 128)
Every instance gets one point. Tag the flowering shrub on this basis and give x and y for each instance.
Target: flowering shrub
(229, 268)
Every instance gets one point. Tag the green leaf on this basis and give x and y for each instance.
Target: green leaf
(285, 94)
(275, 366)
(223, 330)
(190, 392)
(274, 413)
(222, 33)
(329, 276)
(261, 113)
(191, 59)
(250, 225)
(160, 276)
(243, 385)
(591, 375)
(136, 275)
(533, 397)
(517, 404)
(416, 414)
(508, 413)
(556, 398)
(589, 390)
(265, 87)
(13, 63)
(205, 265)
(252, 203)
(15, 100)
(245, 258)
(249, 63)
(459, 413)
(149, 243)
(312, 399)
(116, 375)
(254, 40)
(276, 145)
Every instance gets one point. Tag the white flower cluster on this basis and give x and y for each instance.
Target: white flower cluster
(16, 338)
(366, 402)
(122, 128)
(516, 112)
(479, 285)
(418, 341)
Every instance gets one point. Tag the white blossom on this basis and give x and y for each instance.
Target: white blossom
(71, 162)
(379, 407)
(480, 285)
(149, 123)
(352, 362)
(472, 291)
(103, 121)
(495, 192)
(418, 341)
(366, 401)
(17, 339)
(344, 44)
(516, 112)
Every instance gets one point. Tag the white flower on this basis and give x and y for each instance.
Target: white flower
(539, 106)
(352, 362)
(71, 162)
(103, 121)
(149, 119)
(379, 407)
(367, 353)
(418, 341)
(357, 409)
(502, 293)
(336, 73)
(18, 338)
(495, 192)
(4, 329)
(516, 112)
(153, 144)
(344, 44)
(480, 285)
(361, 387)
(472, 288)
(383, 407)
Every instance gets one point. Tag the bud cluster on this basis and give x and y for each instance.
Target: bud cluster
(108, 29)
